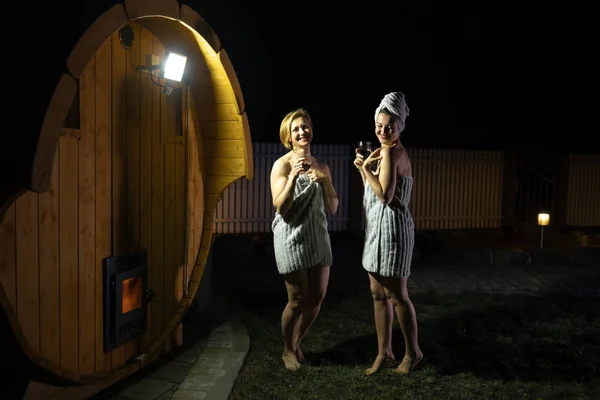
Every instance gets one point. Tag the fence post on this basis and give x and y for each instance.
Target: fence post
(561, 191)
(509, 197)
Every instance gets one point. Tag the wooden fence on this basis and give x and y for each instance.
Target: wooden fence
(453, 189)
(247, 206)
(536, 182)
(456, 189)
(583, 195)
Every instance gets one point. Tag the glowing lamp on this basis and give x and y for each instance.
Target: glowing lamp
(171, 69)
(543, 219)
(174, 66)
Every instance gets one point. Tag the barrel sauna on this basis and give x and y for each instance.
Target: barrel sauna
(122, 175)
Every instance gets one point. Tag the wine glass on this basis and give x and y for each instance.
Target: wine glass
(364, 148)
(306, 161)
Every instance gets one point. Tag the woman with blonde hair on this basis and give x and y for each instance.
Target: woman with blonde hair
(302, 196)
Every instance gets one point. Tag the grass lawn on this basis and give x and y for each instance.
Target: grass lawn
(476, 346)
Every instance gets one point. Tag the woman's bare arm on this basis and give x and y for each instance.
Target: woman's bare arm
(330, 197)
(282, 186)
(384, 183)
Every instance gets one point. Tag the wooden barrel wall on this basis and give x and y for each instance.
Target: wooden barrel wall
(127, 178)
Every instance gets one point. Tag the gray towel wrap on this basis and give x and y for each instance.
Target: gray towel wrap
(389, 232)
(301, 238)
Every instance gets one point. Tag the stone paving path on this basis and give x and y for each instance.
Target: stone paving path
(207, 370)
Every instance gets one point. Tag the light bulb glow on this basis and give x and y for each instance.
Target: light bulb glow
(174, 66)
(543, 219)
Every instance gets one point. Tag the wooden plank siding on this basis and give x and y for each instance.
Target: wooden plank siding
(119, 164)
(116, 186)
(146, 98)
(86, 213)
(28, 302)
(131, 84)
(103, 206)
(224, 145)
(49, 269)
(68, 150)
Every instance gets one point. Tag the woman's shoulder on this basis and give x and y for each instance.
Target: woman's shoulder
(284, 159)
(282, 163)
(397, 153)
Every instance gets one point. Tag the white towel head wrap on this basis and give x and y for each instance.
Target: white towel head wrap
(395, 103)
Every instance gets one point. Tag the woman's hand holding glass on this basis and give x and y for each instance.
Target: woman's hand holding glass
(302, 165)
(360, 161)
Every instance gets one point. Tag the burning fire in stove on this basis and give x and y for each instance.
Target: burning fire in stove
(132, 294)
(125, 299)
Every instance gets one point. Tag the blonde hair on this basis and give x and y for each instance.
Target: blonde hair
(285, 129)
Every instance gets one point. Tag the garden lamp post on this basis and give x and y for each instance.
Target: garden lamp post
(543, 220)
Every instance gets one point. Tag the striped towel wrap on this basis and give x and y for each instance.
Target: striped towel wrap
(301, 238)
(389, 232)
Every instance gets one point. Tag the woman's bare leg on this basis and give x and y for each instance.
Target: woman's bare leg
(407, 317)
(318, 278)
(383, 323)
(295, 284)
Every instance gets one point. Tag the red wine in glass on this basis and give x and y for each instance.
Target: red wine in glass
(364, 148)
(306, 162)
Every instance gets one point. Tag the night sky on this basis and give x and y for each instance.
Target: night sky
(493, 75)
(483, 77)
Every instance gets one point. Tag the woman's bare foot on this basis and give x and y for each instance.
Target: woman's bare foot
(290, 360)
(379, 360)
(409, 364)
(299, 355)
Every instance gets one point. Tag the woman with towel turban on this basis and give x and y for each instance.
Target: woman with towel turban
(389, 233)
(302, 195)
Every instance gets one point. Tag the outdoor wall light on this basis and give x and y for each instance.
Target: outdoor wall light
(174, 66)
(543, 220)
(171, 69)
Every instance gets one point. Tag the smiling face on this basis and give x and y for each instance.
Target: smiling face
(387, 129)
(301, 132)
(296, 129)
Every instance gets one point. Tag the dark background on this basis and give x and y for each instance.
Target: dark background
(495, 76)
